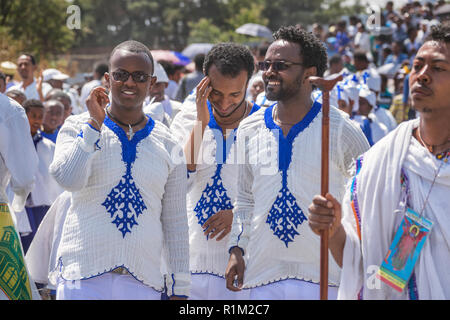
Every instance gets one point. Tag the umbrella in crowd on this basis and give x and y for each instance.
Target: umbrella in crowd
(196, 48)
(170, 56)
(255, 30)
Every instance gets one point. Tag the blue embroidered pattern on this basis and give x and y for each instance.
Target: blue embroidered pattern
(285, 215)
(214, 197)
(124, 202)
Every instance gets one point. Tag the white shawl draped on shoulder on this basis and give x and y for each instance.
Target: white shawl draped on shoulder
(372, 219)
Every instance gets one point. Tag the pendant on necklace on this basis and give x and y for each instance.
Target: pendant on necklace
(130, 132)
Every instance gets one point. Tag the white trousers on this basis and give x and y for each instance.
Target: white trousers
(290, 289)
(210, 287)
(108, 286)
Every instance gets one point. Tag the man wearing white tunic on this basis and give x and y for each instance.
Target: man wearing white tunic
(128, 197)
(272, 250)
(409, 168)
(26, 66)
(18, 165)
(213, 176)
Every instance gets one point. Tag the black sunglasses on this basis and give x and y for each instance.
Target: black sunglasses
(137, 76)
(276, 65)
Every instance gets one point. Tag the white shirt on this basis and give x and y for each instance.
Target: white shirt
(362, 40)
(172, 89)
(30, 91)
(378, 129)
(385, 117)
(269, 222)
(41, 255)
(128, 204)
(214, 182)
(45, 190)
(18, 158)
(86, 90)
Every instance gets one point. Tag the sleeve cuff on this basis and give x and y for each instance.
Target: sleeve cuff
(178, 284)
(237, 237)
(19, 200)
(89, 138)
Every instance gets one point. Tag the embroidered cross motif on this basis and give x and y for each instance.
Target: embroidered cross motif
(285, 216)
(125, 203)
(214, 199)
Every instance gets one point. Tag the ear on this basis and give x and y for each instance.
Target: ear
(151, 82)
(107, 78)
(310, 72)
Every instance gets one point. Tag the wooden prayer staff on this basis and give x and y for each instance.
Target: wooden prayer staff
(325, 86)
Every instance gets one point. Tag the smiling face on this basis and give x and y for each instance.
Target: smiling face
(429, 80)
(129, 94)
(228, 92)
(53, 115)
(283, 85)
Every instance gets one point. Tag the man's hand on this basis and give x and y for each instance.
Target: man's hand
(203, 91)
(96, 103)
(325, 214)
(235, 270)
(220, 222)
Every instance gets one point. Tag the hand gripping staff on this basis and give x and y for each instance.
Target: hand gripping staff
(325, 86)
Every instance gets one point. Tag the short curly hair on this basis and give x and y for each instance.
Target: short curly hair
(230, 59)
(312, 50)
(439, 33)
(134, 47)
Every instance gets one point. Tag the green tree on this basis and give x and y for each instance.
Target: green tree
(204, 31)
(38, 26)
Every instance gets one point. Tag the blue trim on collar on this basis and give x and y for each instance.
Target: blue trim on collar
(129, 146)
(223, 145)
(285, 143)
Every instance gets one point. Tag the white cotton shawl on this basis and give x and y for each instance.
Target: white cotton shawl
(379, 195)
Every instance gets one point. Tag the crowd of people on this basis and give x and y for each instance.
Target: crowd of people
(146, 184)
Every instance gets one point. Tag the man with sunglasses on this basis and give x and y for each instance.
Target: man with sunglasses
(273, 252)
(207, 130)
(127, 216)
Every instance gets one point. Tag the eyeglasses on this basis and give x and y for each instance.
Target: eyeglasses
(276, 65)
(137, 76)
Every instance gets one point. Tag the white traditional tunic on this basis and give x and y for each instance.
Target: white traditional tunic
(46, 190)
(41, 255)
(18, 165)
(18, 161)
(385, 117)
(374, 206)
(212, 187)
(30, 91)
(128, 204)
(278, 179)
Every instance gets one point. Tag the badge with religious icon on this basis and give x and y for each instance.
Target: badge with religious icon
(404, 251)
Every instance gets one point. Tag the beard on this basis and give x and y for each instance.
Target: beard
(283, 92)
